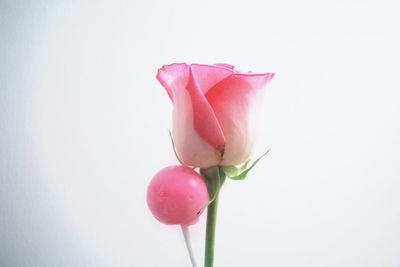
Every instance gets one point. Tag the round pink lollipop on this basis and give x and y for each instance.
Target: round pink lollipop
(177, 195)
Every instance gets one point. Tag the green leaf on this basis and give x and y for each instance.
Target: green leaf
(214, 178)
(243, 173)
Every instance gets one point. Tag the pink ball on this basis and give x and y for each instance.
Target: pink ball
(177, 195)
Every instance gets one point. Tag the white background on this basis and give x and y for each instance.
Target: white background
(84, 126)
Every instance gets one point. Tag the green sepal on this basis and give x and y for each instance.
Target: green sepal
(214, 178)
(232, 171)
(240, 173)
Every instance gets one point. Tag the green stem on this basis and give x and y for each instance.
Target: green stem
(210, 232)
(212, 219)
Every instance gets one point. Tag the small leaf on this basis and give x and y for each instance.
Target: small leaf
(242, 175)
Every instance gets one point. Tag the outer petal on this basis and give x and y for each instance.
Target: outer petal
(225, 65)
(233, 100)
(192, 112)
(207, 76)
(202, 78)
(169, 75)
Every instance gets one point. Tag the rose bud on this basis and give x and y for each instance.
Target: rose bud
(211, 111)
(177, 195)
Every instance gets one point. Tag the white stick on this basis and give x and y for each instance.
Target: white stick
(185, 232)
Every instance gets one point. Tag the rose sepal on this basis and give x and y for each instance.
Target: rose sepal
(214, 178)
(240, 173)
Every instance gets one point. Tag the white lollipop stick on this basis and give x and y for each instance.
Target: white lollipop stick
(186, 235)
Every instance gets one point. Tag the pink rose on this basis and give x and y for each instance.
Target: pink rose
(212, 104)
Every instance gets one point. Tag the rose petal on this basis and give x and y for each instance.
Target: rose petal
(191, 112)
(232, 101)
(225, 65)
(205, 121)
(209, 75)
(173, 75)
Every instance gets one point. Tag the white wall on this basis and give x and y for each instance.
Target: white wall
(84, 125)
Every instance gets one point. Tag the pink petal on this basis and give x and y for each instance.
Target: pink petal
(197, 135)
(232, 101)
(205, 121)
(191, 148)
(209, 75)
(172, 75)
(225, 65)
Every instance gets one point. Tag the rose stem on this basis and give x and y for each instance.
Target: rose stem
(210, 232)
(212, 221)
(186, 235)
